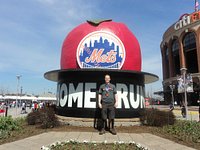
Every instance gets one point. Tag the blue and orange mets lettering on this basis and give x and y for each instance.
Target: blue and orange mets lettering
(99, 57)
(101, 49)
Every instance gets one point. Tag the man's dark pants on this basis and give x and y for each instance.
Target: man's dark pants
(108, 111)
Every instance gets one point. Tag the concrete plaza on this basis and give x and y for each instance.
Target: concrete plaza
(150, 141)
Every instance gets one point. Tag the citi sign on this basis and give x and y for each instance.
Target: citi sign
(187, 19)
(101, 49)
(84, 95)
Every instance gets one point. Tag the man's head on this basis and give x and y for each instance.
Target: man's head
(107, 78)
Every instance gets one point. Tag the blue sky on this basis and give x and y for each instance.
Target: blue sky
(32, 33)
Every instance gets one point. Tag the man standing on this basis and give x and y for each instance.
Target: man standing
(108, 101)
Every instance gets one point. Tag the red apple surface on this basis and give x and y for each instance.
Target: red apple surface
(125, 53)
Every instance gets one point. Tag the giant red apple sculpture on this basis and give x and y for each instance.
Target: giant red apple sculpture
(116, 47)
(90, 51)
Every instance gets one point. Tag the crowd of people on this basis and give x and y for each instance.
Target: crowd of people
(33, 105)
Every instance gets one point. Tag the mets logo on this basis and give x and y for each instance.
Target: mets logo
(101, 49)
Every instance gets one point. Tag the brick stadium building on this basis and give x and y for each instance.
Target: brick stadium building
(180, 48)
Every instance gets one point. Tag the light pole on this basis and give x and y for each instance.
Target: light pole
(183, 72)
(172, 87)
(21, 95)
(18, 82)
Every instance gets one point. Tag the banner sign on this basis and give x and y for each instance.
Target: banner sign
(188, 84)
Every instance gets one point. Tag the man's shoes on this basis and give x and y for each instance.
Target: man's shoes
(112, 131)
(102, 131)
(107, 129)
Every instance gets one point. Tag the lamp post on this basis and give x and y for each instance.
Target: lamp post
(172, 87)
(183, 72)
(18, 82)
(21, 88)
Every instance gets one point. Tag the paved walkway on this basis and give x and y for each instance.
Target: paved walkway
(145, 139)
(193, 111)
(16, 112)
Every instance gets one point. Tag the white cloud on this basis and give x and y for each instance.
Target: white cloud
(69, 13)
(33, 34)
(27, 48)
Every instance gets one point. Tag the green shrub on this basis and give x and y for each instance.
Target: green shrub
(185, 130)
(8, 124)
(4, 134)
(158, 118)
(46, 118)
